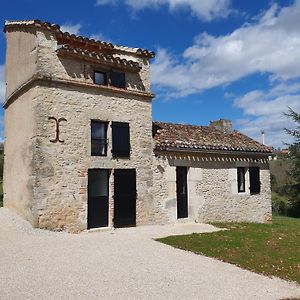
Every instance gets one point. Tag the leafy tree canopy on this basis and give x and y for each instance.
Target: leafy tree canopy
(293, 187)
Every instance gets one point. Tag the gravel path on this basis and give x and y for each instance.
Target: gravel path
(120, 264)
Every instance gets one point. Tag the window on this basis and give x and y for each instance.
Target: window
(120, 140)
(254, 180)
(113, 78)
(118, 79)
(100, 78)
(241, 171)
(99, 138)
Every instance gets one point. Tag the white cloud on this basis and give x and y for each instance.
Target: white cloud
(2, 83)
(206, 10)
(265, 110)
(269, 45)
(71, 28)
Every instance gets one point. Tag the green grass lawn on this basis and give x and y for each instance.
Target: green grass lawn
(270, 249)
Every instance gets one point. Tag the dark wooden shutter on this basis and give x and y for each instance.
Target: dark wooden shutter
(118, 79)
(254, 180)
(120, 139)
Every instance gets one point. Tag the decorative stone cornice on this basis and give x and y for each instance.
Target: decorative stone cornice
(96, 57)
(49, 80)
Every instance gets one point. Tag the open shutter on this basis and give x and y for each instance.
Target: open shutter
(118, 79)
(120, 139)
(254, 180)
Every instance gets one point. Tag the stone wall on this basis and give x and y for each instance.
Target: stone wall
(52, 192)
(61, 168)
(54, 66)
(19, 149)
(21, 58)
(212, 189)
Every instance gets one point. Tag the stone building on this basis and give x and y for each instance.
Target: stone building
(81, 150)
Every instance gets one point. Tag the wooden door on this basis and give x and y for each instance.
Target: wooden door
(124, 197)
(182, 192)
(98, 198)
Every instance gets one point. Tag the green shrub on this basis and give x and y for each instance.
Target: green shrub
(280, 204)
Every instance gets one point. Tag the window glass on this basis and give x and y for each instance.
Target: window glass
(100, 78)
(241, 179)
(98, 183)
(99, 138)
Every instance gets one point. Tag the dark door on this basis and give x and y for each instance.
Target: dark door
(124, 197)
(182, 194)
(97, 198)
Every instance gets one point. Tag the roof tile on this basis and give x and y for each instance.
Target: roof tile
(96, 56)
(177, 136)
(76, 38)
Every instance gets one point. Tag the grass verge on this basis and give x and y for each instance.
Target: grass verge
(270, 249)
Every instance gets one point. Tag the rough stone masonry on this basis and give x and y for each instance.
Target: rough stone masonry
(51, 76)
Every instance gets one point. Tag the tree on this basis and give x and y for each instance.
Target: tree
(293, 187)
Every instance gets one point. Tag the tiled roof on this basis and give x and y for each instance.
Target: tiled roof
(138, 51)
(106, 59)
(66, 36)
(174, 137)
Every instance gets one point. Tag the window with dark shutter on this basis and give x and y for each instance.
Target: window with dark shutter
(98, 138)
(241, 179)
(118, 79)
(120, 139)
(254, 180)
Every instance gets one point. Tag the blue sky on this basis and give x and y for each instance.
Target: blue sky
(231, 59)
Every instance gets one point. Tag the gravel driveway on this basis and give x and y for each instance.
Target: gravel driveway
(120, 264)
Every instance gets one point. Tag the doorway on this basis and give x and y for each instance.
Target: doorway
(124, 197)
(98, 198)
(182, 192)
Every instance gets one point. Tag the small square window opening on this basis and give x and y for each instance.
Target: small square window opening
(100, 78)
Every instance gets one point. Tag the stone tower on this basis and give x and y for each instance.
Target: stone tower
(74, 106)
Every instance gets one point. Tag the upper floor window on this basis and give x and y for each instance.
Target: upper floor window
(120, 140)
(98, 138)
(113, 78)
(254, 173)
(241, 171)
(100, 78)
